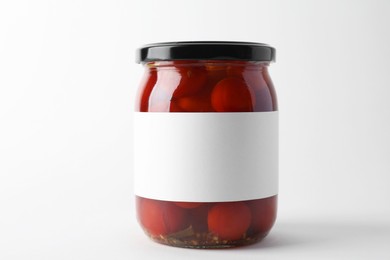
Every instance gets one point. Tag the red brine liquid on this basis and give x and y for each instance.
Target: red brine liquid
(206, 86)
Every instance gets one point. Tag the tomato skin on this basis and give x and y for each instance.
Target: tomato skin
(188, 205)
(232, 95)
(174, 107)
(159, 217)
(229, 220)
(199, 103)
(215, 72)
(191, 82)
(176, 218)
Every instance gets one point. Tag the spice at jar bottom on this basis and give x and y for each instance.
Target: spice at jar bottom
(206, 144)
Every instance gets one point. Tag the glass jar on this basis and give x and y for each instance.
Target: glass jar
(206, 144)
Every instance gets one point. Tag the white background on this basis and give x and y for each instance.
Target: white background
(67, 86)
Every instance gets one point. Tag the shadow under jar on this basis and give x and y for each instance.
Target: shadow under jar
(206, 144)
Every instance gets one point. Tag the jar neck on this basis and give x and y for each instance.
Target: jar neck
(208, 64)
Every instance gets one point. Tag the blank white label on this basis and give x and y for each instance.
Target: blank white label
(206, 157)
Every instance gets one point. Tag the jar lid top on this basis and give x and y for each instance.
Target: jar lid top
(205, 50)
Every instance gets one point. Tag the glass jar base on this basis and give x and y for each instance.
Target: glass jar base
(205, 241)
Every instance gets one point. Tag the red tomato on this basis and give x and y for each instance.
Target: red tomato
(188, 205)
(199, 103)
(229, 220)
(175, 218)
(215, 73)
(232, 95)
(192, 81)
(174, 107)
(159, 217)
(263, 213)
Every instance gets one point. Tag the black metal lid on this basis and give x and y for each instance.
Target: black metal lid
(205, 50)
